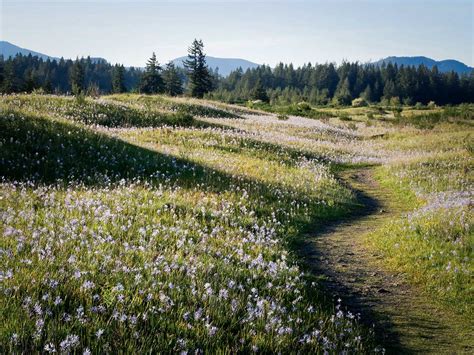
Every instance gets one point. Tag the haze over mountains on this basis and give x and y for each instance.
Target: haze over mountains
(227, 65)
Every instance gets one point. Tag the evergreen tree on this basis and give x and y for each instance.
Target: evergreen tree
(77, 77)
(389, 90)
(118, 79)
(48, 86)
(259, 92)
(30, 82)
(9, 78)
(343, 94)
(2, 71)
(198, 72)
(152, 82)
(367, 94)
(173, 84)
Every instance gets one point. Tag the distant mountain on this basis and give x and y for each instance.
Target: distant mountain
(225, 65)
(443, 65)
(8, 49)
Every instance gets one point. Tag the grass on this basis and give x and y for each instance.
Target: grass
(433, 244)
(165, 239)
(153, 224)
(163, 103)
(430, 171)
(301, 109)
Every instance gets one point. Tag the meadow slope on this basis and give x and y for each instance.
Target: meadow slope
(145, 223)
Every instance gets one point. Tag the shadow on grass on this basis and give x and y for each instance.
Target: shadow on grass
(40, 150)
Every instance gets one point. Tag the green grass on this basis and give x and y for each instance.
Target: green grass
(434, 244)
(156, 224)
(164, 103)
(164, 239)
(98, 112)
(302, 109)
(459, 114)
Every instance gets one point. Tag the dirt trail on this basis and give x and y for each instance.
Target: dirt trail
(405, 321)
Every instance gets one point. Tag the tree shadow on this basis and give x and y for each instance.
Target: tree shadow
(38, 150)
(42, 150)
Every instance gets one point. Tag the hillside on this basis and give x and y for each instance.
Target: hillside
(8, 49)
(137, 223)
(443, 65)
(225, 65)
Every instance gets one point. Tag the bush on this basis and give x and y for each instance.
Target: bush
(304, 106)
(343, 116)
(431, 104)
(397, 112)
(359, 102)
(395, 101)
(282, 117)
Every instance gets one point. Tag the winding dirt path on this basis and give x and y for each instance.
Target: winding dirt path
(405, 321)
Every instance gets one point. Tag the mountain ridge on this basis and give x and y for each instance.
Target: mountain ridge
(8, 49)
(444, 66)
(227, 65)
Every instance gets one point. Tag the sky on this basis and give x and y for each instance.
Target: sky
(265, 32)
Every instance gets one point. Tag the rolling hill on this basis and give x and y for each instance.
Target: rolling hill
(443, 65)
(8, 49)
(225, 65)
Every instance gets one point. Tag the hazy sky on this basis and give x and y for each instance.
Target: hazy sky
(261, 31)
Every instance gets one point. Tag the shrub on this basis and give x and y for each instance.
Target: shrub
(395, 101)
(397, 112)
(359, 102)
(282, 117)
(431, 104)
(344, 116)
(304, 106)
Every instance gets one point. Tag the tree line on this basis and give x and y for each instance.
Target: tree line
(323, 84)
(93, 77)
(318, 84)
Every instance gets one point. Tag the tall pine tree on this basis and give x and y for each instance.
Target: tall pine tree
(152, 82)
(199, 77)
(77, 77)
(8, 85)
(259, 92)
(173, 84)
(118, 79)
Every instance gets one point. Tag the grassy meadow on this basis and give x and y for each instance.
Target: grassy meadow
(137, 223)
